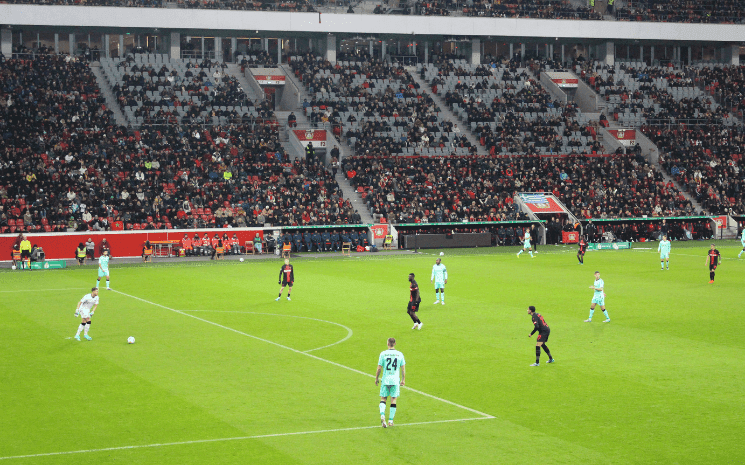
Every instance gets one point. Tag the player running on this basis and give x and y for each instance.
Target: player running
(85, 309)
(581, 251)
(103, 269)
(713, 259)
(526, 245)
(664, 250)
(440, 277)
(286, 278)
(742, 241)
(598, 298)
(389, 363)
(414, 300)
(539, 325)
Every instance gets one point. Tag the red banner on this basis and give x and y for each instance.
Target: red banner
(317, 137)
(570, 237)
(380, 231)
(626, 137)
(721, 221)
(270, 80)
(122, 243)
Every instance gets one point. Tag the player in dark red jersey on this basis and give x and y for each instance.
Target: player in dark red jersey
(414, 300)
(581, 251)
(713, 259)
(543, 332)
(286, 278)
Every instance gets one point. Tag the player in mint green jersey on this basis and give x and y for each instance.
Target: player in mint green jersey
(742, 241)
(390, 363)
(664, 250)
(598, 298)
(526, 245)
(440, 277)
(103, 269)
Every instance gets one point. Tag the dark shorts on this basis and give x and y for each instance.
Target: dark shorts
(25, 254)
(712, 267)
(413, 306)
(543, 337)
(285, 283)
(581, 252)
(81, 260)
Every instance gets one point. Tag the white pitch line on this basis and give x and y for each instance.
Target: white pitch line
(238, 438)
(486, 415)
(349, 330)
(46, 290)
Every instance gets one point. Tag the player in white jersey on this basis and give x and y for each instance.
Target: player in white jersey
(440, 278)
(85, 309)
(103, 269)
(526, 245)
(390, 363)
(742, 241)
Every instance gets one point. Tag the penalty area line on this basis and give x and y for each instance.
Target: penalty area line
(485, 415)
(237, 438)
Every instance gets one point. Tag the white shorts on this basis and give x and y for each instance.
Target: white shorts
(665, 256)
(600, 300)
(439, 284)
(85, 313)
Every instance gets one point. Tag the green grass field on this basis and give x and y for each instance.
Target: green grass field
(223, 374)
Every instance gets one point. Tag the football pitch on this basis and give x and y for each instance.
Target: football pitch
(221, 373)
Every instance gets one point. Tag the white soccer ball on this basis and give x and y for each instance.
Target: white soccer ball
(442, 253)
(130, 340)
(241, 258)
(12, 267)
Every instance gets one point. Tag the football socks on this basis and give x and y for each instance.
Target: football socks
(382, 407)
(545, 349)
(392, 413)
(537, 354)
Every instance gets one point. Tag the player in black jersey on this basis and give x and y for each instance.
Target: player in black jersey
(543, 332)
(713, 259)
(414, 300)
(581, 251)
(286, 278)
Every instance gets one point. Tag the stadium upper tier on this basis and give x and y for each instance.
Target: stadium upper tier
(704, 11)
(377, 106)
(510, 110)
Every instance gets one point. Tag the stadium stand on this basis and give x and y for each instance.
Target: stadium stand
(296, 5)
(377, 107)
(436, 189)
(65, 165)
(509, 110)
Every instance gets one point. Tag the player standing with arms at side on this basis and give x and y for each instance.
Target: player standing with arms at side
(286, 278)
(389, 363)
(103, 269)
(526, 245)
(713, 259)
(85, 309)
(440, 277)
(664, 250)
(598, 298)
(414, 300)
(581, 251)
(742, 241)
(539, 325)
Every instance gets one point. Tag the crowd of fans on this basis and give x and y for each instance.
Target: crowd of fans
(375, 105)
(65, 164)
(436, 189)
(180, 91)
(296, 5)
(510, 111)
(700, 140)
(543, 9)
(681, 11)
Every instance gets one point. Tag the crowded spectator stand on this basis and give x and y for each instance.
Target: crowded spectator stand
(466, 233)
(676, 228)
